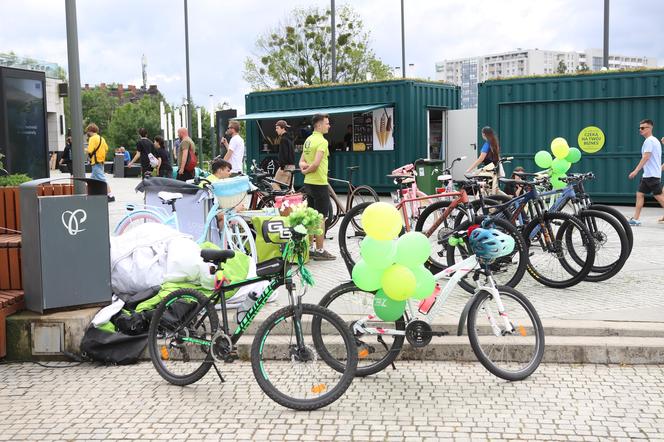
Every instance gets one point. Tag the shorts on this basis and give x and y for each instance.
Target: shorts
(650, 185)
(318, 197)
(98, 172)
(185, 176)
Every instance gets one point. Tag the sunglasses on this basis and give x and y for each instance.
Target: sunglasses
(643, 127)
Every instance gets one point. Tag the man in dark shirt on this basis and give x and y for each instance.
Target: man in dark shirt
(286, 156)
(144, 147)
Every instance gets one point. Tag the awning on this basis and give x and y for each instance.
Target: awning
(273, 115)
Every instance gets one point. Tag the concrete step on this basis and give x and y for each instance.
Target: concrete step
(32, 336)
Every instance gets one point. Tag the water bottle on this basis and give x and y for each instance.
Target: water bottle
(426, 304)
(245, 306)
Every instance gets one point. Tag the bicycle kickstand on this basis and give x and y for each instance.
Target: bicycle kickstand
(214, 364)
(380, 339)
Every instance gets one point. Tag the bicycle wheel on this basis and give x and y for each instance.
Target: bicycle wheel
(351, 234)
(437, 227)
(178, 344)
(361, 195)
(135, 219)
(506, 270)
(611, 245)
(548, 255)
(617, 214)
(240, 236)
(336, 211)
(507, 335)
(375, 351)
(290, 372)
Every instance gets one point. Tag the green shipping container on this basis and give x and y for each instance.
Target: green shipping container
(412, 104)
(528, 113)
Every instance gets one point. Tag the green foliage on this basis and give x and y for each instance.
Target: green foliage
(297, 52)
(14, 180)
(307, 217)
(562, 67)
(98, 107)
(128, 118)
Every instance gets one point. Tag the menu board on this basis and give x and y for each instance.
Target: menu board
(363, 132)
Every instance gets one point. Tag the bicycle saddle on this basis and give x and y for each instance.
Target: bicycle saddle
(402, 178)
(444, 177)
(169, 197)
(216, 256)
(353, 167)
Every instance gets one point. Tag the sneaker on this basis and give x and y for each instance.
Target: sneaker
(324, 256)
(313, 254)
(634, 222)
(111, 199)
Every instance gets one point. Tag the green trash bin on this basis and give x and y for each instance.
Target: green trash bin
(427, 175)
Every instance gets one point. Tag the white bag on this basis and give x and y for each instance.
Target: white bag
(153, 160)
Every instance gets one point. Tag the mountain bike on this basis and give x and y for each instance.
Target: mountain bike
(504, 329)
(185, 338)
(234, 232)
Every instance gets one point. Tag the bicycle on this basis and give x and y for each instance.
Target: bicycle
(234, 232)
(500, 321)
(185, 338)
(544, 231)
(264, 195)
(355, 195)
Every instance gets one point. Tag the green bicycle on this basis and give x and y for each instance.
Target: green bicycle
(185, 338)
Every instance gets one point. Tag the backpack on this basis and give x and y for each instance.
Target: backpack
(192, 161)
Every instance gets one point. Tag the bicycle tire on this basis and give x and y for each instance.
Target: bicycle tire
(562, 218)
(349, 256)
(474, 209)
(393, 350)
(538, 333)
(304, 404)
(134, 219)
(248, 232)
(442, 231)
(336, 212)
(622, 219)
(600, 273)
(359, 190)
(520, 249)
(160, 322)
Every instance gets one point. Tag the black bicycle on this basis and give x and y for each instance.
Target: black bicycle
(185, 338)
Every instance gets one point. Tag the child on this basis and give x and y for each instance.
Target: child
(220, 169)
(513, 189)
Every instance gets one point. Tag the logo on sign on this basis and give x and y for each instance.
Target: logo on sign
(74, 220)
(279, 227)
(591, 139)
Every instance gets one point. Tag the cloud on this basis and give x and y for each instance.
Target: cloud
(114, 34)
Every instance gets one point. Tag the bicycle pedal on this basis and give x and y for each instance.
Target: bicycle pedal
(231, 357)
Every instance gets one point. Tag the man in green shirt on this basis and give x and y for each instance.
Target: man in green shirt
(314, 163)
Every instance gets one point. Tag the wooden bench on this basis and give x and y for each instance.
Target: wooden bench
(11, 301)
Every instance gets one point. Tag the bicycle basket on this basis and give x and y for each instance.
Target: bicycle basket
(231, 191)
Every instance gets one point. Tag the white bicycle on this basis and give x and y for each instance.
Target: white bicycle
(504, 329)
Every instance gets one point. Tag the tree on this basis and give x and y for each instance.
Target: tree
(98, 107)
(583, 68)
(128, 118)
(297, 52)
(562, 67)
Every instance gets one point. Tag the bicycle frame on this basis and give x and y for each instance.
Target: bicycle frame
(460, 197)
(454, 275)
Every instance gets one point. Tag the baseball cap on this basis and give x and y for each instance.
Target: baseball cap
(282, 124)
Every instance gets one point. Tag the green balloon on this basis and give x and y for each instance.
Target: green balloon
(556, 183)
(543, 159)
(560, 166)
(426, 283)
(387, 308)
(377, 254)
(413, 249)
(398, 282)
(574, 155)
(365, 277)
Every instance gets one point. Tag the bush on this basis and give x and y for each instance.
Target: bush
(14, 180)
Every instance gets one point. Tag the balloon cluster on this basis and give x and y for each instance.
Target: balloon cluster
(393, 269)
(561, 161)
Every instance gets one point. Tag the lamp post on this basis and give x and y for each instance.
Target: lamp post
(213, 142)
(78, 168)
(334, 42)
(606, 34)
(403, 43)
(186, 47)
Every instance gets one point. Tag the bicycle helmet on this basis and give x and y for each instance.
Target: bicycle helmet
(490, 244)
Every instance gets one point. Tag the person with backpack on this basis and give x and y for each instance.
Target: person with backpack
(97, 149)
(187, 160)
(164, 168)
(144, 149)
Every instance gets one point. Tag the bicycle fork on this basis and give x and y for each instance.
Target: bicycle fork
(495, 327)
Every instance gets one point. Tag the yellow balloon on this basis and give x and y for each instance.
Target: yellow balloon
(398, 282)
(381, 221)
(560, 148)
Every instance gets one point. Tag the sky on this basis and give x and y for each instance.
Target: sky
(114, 34)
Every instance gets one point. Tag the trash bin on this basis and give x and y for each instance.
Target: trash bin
(427, 175)
(65, 250)
(118, 166)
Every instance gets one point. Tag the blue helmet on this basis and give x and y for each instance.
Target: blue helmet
(489, 244)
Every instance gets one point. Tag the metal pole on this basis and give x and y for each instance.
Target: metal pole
(606, 34)
(186, 46)
(78, 159)
(334, 42)
(403, 44)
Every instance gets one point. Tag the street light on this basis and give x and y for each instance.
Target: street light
(186, 47)
(403, 42)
